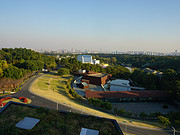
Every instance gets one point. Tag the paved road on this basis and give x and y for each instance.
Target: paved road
(39, 101)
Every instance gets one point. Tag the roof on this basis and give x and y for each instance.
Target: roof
(98, 74)
(85, 55)
(86, 131)
(121, 94)
(84, 83)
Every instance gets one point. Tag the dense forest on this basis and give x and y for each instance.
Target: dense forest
(19, 63)
(141, 61)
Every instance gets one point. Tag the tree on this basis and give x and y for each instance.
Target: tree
(13, 72)
(1, 73)
(63, 71)
(113, 59)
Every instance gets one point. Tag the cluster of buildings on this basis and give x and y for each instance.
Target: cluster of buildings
(121, 94)
(79, 51)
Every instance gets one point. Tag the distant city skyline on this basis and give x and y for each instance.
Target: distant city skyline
(118, 25)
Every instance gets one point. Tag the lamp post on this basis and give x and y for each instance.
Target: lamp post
(174, 130)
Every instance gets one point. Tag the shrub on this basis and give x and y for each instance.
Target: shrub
(122, 111)
(99, 103)
(164, 121)
(143, 114)
(63, 71)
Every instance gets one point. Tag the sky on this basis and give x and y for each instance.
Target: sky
(113, 25)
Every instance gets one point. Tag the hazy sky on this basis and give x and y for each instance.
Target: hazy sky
(122, 25)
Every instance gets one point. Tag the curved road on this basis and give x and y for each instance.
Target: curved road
(43, 102)
(37, 100)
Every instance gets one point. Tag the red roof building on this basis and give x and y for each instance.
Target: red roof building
(120, 96)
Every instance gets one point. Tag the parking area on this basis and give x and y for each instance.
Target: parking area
(147, 107)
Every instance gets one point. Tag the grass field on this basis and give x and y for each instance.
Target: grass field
(61, 94)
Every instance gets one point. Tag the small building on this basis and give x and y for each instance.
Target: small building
(81, 71)
(44, 70)
(97, 78)
(84, 84)
(128, 96)
(96, 61)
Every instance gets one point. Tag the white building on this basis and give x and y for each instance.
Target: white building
(85, 58)
(96, 61)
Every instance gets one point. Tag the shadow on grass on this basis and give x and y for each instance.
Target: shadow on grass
(63, 82)
(66, 77)
(61, 90)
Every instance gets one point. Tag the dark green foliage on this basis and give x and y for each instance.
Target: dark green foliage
(121, 111)
(143, 114)
(164, 121)
(100, 103)
(13, 72)
(24, 60)
(63, 71)
(147, 80)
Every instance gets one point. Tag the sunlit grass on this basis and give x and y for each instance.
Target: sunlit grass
(61, 94)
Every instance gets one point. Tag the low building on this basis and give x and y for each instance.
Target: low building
(128, 96)
(84, 84)
(81, 71)
(97, 78)
(96, 61)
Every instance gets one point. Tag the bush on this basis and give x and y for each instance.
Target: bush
(99, 103)
(121, 111)
(63, 71)
(164, 121)
(106, 105)
(143, 114)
